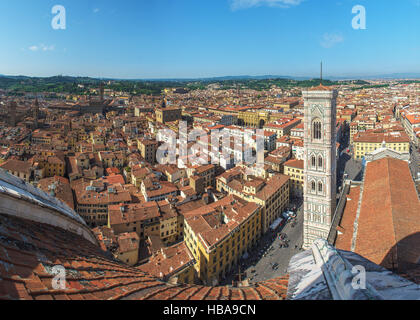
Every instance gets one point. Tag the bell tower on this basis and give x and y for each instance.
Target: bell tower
(36, 113)
(12, 113)
(320, 162)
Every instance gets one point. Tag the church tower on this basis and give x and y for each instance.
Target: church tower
(320, 163)
(101, 92)
(36, 113)
(12, 113)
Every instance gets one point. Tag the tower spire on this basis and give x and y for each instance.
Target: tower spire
(321, 73)
(101, 91)
(36, 112)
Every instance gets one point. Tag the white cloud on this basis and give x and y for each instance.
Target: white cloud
(329, 40)
(42, 47)
(48, 48)
(245, 4)
(96, 10)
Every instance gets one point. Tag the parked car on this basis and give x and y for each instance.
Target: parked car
(289, 214)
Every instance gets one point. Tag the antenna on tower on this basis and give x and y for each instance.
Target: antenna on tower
(321, 73)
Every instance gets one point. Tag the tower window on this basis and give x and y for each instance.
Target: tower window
(320, 187)
(313, 186)
(313, 160)
(316, 130)
(320, 162)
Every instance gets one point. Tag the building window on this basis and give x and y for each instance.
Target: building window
(313, 161)
(320, 187)
(313, 186)
(316, 129)
(320, 162)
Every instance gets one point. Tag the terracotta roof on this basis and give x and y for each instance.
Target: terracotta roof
(294, 163)
(29, 251)
(162, 188)
(321, 88)
(120, 214)
(379, 137)
(207, 220)
(388, 231)
(127, 242)
(16, 165)
(345, 229)
(390, 213)
(168, 261)
(115, 179)
(413, 118)
(62, 189)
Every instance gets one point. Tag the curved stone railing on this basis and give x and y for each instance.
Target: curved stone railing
(338, 274)
(23, 200)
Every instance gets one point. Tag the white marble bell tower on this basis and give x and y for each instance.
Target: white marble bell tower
(320, 163)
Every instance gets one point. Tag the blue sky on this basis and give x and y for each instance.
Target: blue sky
(202, 38)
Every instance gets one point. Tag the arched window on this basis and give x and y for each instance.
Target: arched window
(316, 129)
(320, 186)
(320, 162)
(313, 186)
(313, 161)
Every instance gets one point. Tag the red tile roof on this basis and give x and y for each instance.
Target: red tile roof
(168, 261)
(321, 88)
(345, 229)
(17, 165)
(388, 230)
(29, 251)
(299, 164)
(390, 212)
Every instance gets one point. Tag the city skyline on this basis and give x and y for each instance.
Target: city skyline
(163, 40)
(221, 151)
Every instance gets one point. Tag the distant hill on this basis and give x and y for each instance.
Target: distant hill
(228, 78)
(19, 85)
(389, 76)
(62, 79)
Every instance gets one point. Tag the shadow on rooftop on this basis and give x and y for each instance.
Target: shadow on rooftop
(404, 258)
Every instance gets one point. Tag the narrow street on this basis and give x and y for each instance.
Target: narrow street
(414, 160)
(275, 254)
(259, 265)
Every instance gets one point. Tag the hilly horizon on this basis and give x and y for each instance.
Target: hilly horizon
(391, 76)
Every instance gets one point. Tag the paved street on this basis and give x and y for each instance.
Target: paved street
(415, 160)
(281, 256)
(269, 252)
(347, 164)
